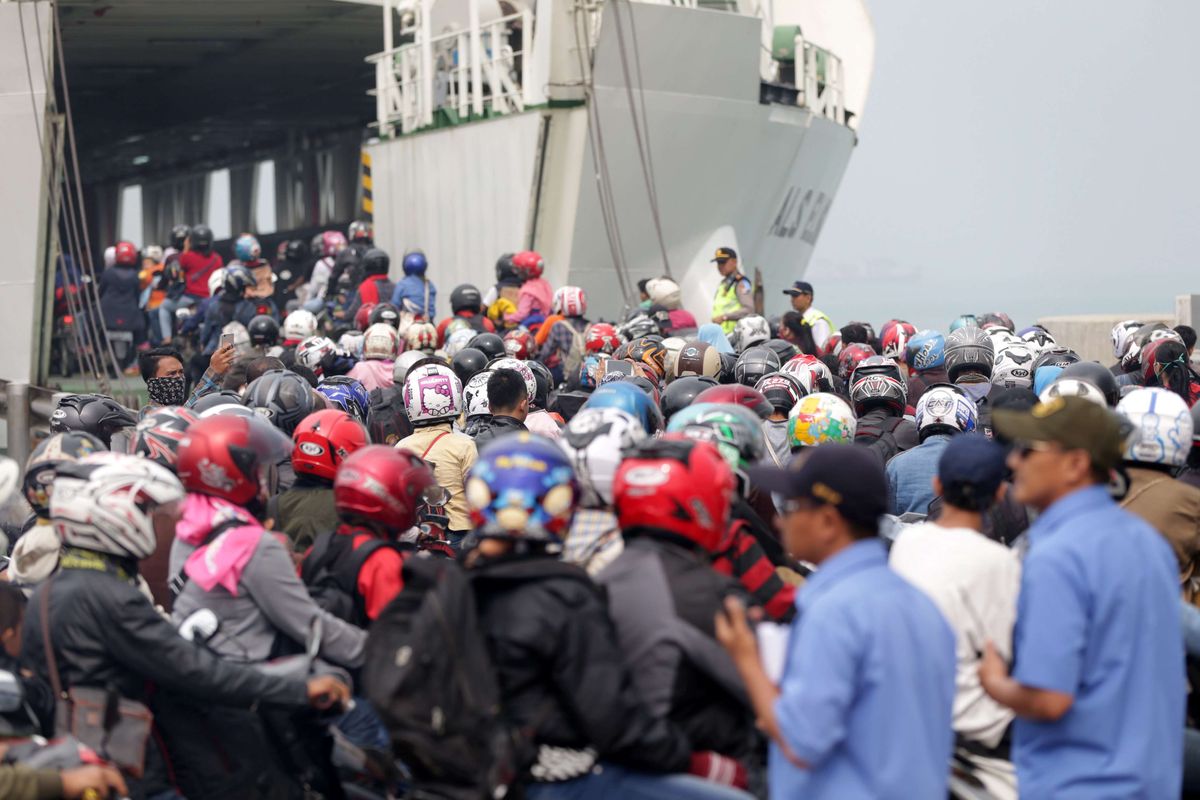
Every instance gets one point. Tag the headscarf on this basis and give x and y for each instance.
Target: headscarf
(711, 334)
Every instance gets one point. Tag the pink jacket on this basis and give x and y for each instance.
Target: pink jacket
(535, 298)
(375, 374)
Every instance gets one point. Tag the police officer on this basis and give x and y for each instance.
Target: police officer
(801, 293)
(734, 299)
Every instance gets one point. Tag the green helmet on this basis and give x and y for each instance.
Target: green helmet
(735, 430)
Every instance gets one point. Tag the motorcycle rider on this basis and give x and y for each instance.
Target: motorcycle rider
(970, 355)
(197, 263)
(120, 299)
(879, 395)
(925, 355)
(375, 286)
(943, 411)
(415, 293)
(508, 400)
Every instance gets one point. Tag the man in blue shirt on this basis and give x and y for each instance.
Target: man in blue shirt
(943, 411)
(1098, 684)
(864, 707)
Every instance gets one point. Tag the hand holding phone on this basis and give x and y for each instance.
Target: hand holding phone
(226, 340)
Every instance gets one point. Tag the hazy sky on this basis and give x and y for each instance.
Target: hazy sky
(1028, 157)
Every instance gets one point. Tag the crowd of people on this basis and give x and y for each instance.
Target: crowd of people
(360, 542)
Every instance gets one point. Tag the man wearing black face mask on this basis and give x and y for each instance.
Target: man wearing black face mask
(166, 380)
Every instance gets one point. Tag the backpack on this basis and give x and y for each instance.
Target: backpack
(330, 571)
(428, 674)
(574, 357)
(387, 421)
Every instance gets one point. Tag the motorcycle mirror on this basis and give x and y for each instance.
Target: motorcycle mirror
(12, 695)
(200, 626)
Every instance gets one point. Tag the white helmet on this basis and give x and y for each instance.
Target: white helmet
(809, 370)
(674, 346)
(106, 503)
(241, 337)
(1120, 335)
(215, 280)
(570, 301)
(421, 336)
(1001, 338)
(312, 350)
(404, 362)
(110, 256)
(664, 292)
(749, 331)
(1013, 367)
(1162, 427)
(945, 409)
(1073, 387)
(300, 324)
(432, 393)
(521, 368)
(475, 396)
(459, 340)
(593, 441)
(1038, 339)
(352, 343)
(153, 252)
(380, 342)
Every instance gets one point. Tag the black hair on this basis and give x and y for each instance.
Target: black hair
(257, 366)
(794, 322)
(505, 390)
(12, 606)
(1188, 334)
(860, 530)
(148, 361)
(236, 377)
(642, 285)
(967, 496)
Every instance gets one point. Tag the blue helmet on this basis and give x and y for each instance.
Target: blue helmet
(630, 399)
(1045, 375)
(964, 321)
(926, 350)
(522, 487)
(247, 248)
(237, 280)
(347, 394)
(415, 263)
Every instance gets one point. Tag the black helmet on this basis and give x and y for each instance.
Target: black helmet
(296, 250)
(1057, 356)
(96, 414)
(1098, 375)
(782, 348)
(489, 344)
(465, 298)
(385, 312)
(43, 463)
(728, 365)
(236, 281)
(682, 391)
(505, 268)
(968, 349)
(467, 363)
(202, 238)
(755, 363)
(204, 407)
(545, 382)
(283, 397)
(375, 262)
(264, 331)
(179, 235)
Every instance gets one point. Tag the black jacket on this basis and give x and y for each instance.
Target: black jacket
(120, 291)
(560, 668)
(492, 427)
(886, 433)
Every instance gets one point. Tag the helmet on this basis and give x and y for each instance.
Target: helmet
(405, 362)
(179, 235)
(651, 353)
(312, 351)
(1013, 367)
(384, 312)
(664, 292)
(570, 301)
(1044, 376)
(263, 331)
(385, 486)
(347, 394)
(820, 418)
(997, 319)
(677, 486)
(638, 326)
(96, 414)
(247, 248)
(432, 393)
(1121, 333)
(681, 393)
(749, 331)
(753, 364)
(528, 265)
(225, 401)
(968, 349)
(106, 503)
(47, 457)
(504, 267)
(1073, 387)
(361, 231)
(1054, 356)
(456, 340)
(375, 262)
(697, 359)
(628, 398)
(964, 321)
(465, 297)
(1038, 338)
(421, 336)
(521, 368)
(158, 434)
(299, 324)
(125, 254)
(591, 368)
(323, 440)
(1096, 374)
(490, 344)
(811, 371)
(475, 396)
(415, 263)
(895, 338)
(594, 441)
(110, 257)
(332, 243)
(736, 431)
(672, 345)
(522, 487)
(1001, 338)
(851, 356)
(600, 337)
(943, 408)
(737, 395)
(783, 349)
(877, 382)
(1165, 363)
(926, 350)
(351, 342)
(1131, 358)
(467, 363)
(380, 342)
(1162, 427)
(293, 250)
(201, 238)
(545, 382)
(281, 397)
(782, 391)
(519, 343)
(233, 458)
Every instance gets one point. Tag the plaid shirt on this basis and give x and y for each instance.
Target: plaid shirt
(561, 337)
(594, 540)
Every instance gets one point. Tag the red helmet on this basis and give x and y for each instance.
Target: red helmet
(676, 485)
(519, 343)
(601, 337)
(362, 317)
(851, 356)
(737, 395)
(125, 254)
(382, 485)
(528, 264)
(325, 439)
(233, 458)
(894, 339)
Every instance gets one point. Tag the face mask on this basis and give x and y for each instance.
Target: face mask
(167, 391)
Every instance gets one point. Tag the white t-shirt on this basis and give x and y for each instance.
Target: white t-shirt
(974, 582)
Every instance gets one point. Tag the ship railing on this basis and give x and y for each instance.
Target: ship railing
(455, 76)
(823, 79)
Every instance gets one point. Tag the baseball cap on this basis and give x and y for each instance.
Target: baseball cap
(724, 253)
(846, 476)
(1072, 422)
(973, 460)
(799, 287)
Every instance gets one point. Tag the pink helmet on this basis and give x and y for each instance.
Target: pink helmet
(432, 393)
(332, 243)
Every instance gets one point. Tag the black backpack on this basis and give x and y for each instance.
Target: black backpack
(330, 571)
(428, 674)
(387, 421)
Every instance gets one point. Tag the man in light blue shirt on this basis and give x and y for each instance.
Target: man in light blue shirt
(1098, 685)
(864, 707)
(943, 411)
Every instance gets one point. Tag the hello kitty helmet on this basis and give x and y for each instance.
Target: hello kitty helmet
(432, 393)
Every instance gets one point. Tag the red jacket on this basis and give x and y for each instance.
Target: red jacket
(197, 269)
